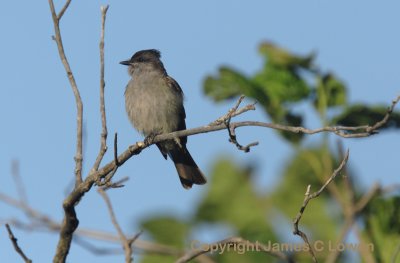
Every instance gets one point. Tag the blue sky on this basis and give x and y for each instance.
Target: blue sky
(357, 40)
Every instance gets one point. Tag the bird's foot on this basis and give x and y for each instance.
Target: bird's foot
(150, 138)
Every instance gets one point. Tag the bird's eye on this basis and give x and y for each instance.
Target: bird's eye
(140, 60)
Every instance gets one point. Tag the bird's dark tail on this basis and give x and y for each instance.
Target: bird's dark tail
(188, 171)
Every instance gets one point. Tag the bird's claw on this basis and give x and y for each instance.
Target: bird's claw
(150, 138)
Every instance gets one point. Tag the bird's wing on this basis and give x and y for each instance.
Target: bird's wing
(173, 84)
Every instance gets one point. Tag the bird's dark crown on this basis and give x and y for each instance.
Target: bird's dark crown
(147, 55)
(150, 57)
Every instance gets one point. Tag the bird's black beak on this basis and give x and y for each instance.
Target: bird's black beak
(125, 62)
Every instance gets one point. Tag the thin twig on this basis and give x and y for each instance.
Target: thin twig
(116, 149)
(355, 209)
(226, 119)
(346, 201)
(65, 7)
(70, 222)
(234, 111)
(99, 251)
(233, 139)
(16, 246)
(79, 118)
(308, 197)
(107, 184)
(106, 181)
(366, 198)
(365, 251)
(29, 211)
(135, 237)
(385, 119)
(104, 132)
(126, 244)
(18, 181)
(41, 221)
(334, 253)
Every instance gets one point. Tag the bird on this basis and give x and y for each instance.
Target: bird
(154, 105)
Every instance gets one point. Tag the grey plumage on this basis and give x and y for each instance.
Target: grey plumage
(154, 103)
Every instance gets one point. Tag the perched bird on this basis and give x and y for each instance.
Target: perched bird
(154, 103)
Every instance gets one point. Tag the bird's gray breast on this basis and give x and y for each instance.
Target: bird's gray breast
(152, 105)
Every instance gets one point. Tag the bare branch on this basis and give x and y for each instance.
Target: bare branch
(107, 184)
(334, 254)
(29, 212)
(135, 149)
(226, 119)
(103, 136)
(233, 139)
(18, 181)
(16, 246)
(234, 111)
(308, 197)
(41, 221)
(126, 244)
(366, 198)
(79, 118)
(385, 119)
(353, 210)
(366, 254)
(139, 146)
(70, 222)
(229, 242)
(65, 7)
(135, 237)
(116, 149)
(94, 249)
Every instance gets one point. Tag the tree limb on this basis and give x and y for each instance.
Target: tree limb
(125, 242)
(70, 222)
(103, 136)
(79, 105)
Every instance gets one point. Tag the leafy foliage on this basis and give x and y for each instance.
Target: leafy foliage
(383, 228)
(359, 114)
(284, 81)
(165, 230)
(287, 79)
(330, 92)
(231, 199)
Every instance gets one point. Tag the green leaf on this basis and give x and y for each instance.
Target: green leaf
(330, 92)
(295, 120)
(229, 84)
(232, 199)
(167, 230)
(281, 85)
(359, 114)
(276, 86)
(281, 57)
(383, 226)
